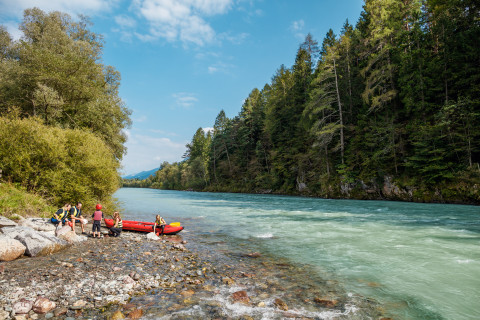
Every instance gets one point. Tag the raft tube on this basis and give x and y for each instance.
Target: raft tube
(141, 226)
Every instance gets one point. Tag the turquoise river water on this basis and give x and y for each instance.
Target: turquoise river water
(419, 261)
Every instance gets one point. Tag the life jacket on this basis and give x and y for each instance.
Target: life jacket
(98, 215)
(76, 212)
(120, 224)
(62, 215)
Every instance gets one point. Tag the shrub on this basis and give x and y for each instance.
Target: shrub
(16, 201)
(62, 165)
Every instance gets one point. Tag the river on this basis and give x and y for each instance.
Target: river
(418, 261)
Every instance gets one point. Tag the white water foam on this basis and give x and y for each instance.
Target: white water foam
(464, 261)
(265, 235)
(269, 311)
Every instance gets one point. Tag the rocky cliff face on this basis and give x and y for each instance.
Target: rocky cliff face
(389, 189)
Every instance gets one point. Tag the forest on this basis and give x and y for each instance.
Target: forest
(387, 109)
(61, 118)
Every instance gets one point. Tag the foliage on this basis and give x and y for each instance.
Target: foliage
(15, 201)
(55, 73)
(62, 165)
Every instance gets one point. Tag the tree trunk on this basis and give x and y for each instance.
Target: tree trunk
(339, 111)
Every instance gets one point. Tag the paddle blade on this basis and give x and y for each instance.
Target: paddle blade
(175, 224)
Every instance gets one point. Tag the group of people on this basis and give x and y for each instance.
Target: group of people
(70, 215)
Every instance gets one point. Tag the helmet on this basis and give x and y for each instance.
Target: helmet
(98, 207)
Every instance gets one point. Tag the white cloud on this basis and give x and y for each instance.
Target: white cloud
(15, 8)
(235, 39)
(125, 21)
(184, 99)
(146, 152)
(181, 20)
(297, 29)
(12, 10)
(221, 67)
(208, 129)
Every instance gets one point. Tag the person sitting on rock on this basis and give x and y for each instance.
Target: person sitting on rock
(76, 215)
(61, 214)
(117, 227)
(160, 222)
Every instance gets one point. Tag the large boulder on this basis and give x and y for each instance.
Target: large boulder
(71, 237)
(39, 224)
(62, 230)
(38, 243)
(10, 249)
(5, 222)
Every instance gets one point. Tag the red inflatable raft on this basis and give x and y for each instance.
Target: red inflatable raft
(144, 226)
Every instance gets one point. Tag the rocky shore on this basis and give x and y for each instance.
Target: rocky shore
(140, 277)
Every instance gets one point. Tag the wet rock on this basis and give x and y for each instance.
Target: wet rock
(136, 276)
(228, 281)
(79, 304)
(117, 315)
(240, 297)
(5, 222)
(254, 255)
(261, 304)
(325, 302)
(179, 246)
(23, 306)
(187, 293)
(32, 315)
(10, 249)
(128, 280)
(280, 304)
(60, 312)
(43, 305)
(4, 314)
(135, 314)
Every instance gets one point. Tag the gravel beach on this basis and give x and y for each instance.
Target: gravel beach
(137, 278)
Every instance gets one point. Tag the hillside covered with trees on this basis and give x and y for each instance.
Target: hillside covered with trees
(388, 108)
(61, 117)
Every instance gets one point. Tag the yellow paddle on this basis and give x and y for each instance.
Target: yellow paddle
(175, 224)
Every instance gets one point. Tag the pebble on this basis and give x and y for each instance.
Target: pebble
(279, 303)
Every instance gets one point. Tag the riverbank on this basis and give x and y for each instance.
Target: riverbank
(131, 276)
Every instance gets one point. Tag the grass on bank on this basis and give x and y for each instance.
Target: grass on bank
(16, 202)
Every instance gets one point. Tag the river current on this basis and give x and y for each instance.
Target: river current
(418, 261)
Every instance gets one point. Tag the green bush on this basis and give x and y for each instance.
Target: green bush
(62, 165)
(16, 201)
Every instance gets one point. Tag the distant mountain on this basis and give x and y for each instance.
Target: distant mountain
(142, 175)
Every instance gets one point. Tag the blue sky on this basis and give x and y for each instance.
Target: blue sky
(182, 61)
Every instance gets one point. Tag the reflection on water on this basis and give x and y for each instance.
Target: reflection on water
(420, 261)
